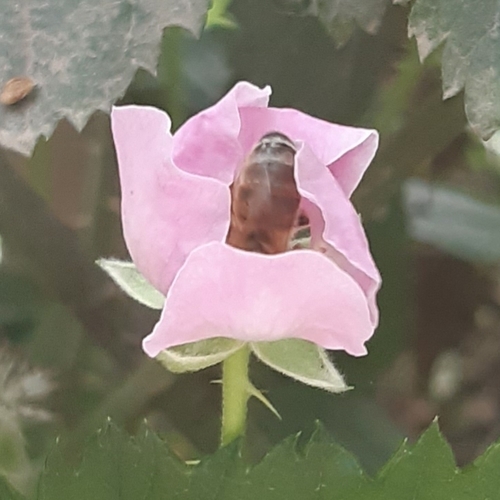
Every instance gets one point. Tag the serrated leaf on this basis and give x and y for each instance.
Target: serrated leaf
(114, 465)
(322, 469)
(481, 477)
(453, 221)
(302, 361)
(117, 466)
(339, 16)
(471, 55)
(218, 477)
(196, 356)
(81, 55)
(132, 282)
(423, 471)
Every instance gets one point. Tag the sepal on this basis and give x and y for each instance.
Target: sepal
(132, 282)
(196, 356)
(302, 361)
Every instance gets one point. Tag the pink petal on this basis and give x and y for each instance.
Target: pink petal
(225, 292)
(207, 143)
(348, 170)
(346, 150)
(166, 212)
(337, 224)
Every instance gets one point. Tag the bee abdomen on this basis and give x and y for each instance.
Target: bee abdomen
(265, 199)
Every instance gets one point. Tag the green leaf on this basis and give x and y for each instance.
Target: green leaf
(117, 466)
(13, 455)
(339, 16)
(81, 55)
(7, 492)
(423, 471)
(114, 466)
(322, 469)
(481, 477)
(471, 55)
(132, 282)
(453, 222)
(198, 355)
(221, 476)
(302, 361)
(218, 15)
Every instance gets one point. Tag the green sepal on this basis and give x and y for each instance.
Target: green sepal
(302, 361)
(196, 356)
(132, 282)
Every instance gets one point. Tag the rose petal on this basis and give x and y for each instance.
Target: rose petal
(347, 151)
(338, 224)
(166, 212)
(207, 143)
(225, 292)
(348, 170)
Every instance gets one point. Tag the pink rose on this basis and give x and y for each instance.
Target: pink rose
(176, 214)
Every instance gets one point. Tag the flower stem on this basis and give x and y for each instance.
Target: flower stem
(235, 384)
(170, 75)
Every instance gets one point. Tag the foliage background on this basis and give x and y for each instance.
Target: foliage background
(430, 203)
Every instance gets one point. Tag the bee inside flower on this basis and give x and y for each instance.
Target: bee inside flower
(265, 201)
(210, 212)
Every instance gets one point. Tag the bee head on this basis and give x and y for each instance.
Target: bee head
(275, 140)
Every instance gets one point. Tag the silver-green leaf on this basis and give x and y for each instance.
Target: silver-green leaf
(198, 355)
(302, 361)
(80, 55)
(340, 17)
(452, 221)
(471, 55)
(132, 282)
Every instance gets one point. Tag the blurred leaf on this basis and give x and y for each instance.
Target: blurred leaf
(453, 222)
(81, 56)
(302, 361)
(296, 56)
(56, 339)
(132, 282)
(13, 457)
(206, 72)
(20, 301)
(196, 76)
(7, 492)
(389, 243)
(471, 56)
(339, 16)
(198, 355)
(218, 15)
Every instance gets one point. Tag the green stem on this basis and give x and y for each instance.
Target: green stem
(235, 395)
(170, 75)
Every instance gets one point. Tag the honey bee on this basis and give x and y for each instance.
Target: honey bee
(264, 198)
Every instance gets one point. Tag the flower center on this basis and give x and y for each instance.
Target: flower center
(265, 215)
